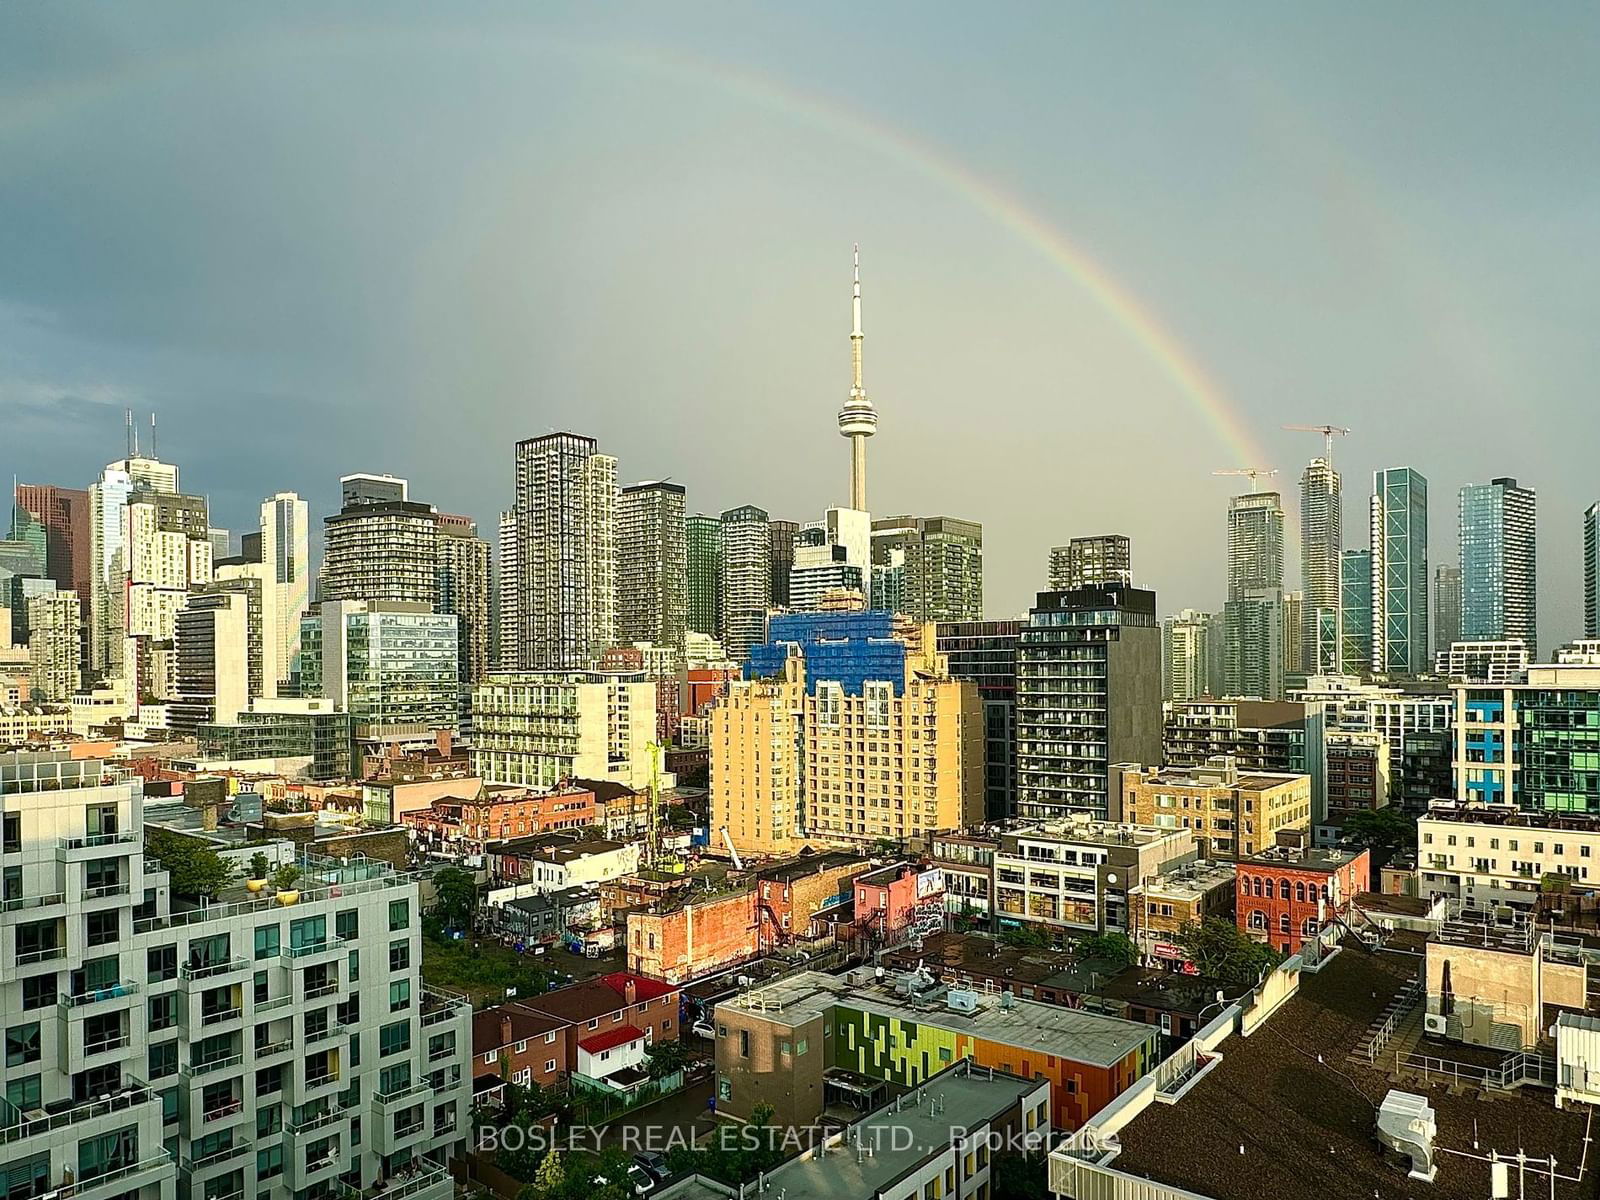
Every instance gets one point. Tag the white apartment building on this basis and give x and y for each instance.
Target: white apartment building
(1489, 854)
(251, 1048)
(537, 728)
(1501, 661)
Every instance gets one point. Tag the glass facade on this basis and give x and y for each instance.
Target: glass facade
(400, 669)
(703, 555)
(1355, 601)
(325, 737)
(1399, 545)
(1498, 580)
(847, 648)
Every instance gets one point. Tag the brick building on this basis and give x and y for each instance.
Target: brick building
(1357, 775)
(1164, 904)
(1232, 813)
(608, 1004)
(517, 1043)
(892, 899)
(789, 897)
(1290, 893)
(686, 935)
(499, 812)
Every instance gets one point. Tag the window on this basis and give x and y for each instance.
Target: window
(22, 1044)
(267, 942)
(400, 955)
(355, 1049)
(161, 964)
(163, 1012)
(269, 1162)
(269, 1120)
(522, 1046)
(399, 915)
(1258, 920)
(39, 992)
(1283, 922)
(1300, 890)
(163, 1060)
(25, 1093)
(489, 1056)
(1283, 889)
(108, 1152)
(11, 883)
(1308, 927)
(348, 924)
(392, 1039)
(355, 966)
(400, 998)
(744, 1043)
(550, 1038)
(308, 932)
(523, 1076)
(549, 1065)
(11, 835)
(724, 1089)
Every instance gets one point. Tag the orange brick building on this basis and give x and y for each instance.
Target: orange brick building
(789, 896)
(1289, 894)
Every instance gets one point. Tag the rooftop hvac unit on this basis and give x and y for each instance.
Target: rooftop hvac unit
(1407, 1128)
(859, 977)
(1436, 1023)
(1008, 999)
(962, 1001)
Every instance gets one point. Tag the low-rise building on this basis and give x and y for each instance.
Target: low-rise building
(1074, 874)
(1493, 854)
(553, 861)
(967, 861)
(1232, 813)
(1187, 895)
(539, 728)
(777, 1044)
(457, 826)
(900, 901)
(521, 1045)
(1358, 776)
(623, 1006)
(29, 723)
(543, 918)
(791, 897)
(965, 1115)
(689, 934)
(1288, 894)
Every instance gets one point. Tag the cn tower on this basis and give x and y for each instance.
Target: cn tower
(857, 419)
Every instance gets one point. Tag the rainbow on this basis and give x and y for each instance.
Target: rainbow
(1137, 320)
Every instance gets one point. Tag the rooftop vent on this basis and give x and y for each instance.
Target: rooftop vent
(1406, 1128)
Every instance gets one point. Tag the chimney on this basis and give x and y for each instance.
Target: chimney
(630, 992)
(441, 739)
(505, 1029)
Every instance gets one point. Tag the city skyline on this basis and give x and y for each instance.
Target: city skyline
(230, 367)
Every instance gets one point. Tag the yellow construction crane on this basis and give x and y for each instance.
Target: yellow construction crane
(1328, 432)
(1253, 472)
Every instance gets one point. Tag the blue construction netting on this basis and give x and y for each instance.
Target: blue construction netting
(848, 648)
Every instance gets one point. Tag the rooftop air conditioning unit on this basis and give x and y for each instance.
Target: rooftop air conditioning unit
(962, 1001)
(1435, 1023)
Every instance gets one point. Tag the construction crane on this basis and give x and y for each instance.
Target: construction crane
(1253, 472)
(1328, 432)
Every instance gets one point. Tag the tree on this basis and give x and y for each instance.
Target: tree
(1385, 831)
(194, 867)
(1018, 1175)
(666, 1058)
(548, 1179)
(1115, 948)
(1027, 937)
(456, 901)
(1220, 951)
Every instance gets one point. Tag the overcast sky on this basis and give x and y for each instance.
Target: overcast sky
(321, 238)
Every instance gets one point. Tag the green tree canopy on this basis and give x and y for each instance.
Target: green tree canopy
(456, 900)
(666, 1058)
(1385, 831)
(1220, 951)
(1117, 948)
(195, 868)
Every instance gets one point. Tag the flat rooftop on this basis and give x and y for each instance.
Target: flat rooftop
(1272, 1120)
(1188, 882)
(1304, 858)
(967, 1099)
(804, 868)
(1047, 1029)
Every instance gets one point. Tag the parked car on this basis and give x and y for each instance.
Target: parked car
(654, 1164)
(703, 1028)
(642, 1181)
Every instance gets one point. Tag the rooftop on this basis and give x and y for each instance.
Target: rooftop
(598, 997)
(1048, 1029)
(804, 868)
(554, 847)
(964, 1097)
(1285, 1113)
(489, 1030)
(1188, 882)
(1304, 858)
(1096, 833)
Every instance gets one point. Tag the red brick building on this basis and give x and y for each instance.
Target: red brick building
(520, 1044)
(1290, 893)
(891, 898)
(791, 896)
(498, 813)
(608, 1003)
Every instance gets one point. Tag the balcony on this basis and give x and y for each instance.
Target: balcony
(78, 1113)
(387, 1102)
(300, 1175)
(105, 891)
(214, 1116)
(212, 1067)
(22, 903)
(442, 1054)
(121, 1180)
(43, 957)
(221, 1016)
(189, 973)
(317, 1085)
(205, 1161)
(271, 1050)
(272, 1005)
(314, 952)
(93, 846)
(423, 1183)
(327, 1033)
(105, 1045)
(322, 990)
(121, 990)
(334, 1115)
(438, 1007)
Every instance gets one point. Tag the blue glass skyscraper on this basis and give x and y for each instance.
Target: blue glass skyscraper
(1399, 545)
(1499, 581)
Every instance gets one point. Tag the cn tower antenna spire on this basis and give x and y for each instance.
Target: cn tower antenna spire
(857, 420)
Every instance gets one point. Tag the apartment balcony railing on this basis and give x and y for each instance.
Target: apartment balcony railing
(115, 991)
(94, 841)
(30, 958)
(440, 1006)
(272, 1005)
(238, 1147)
(333, 1116)
(441, 1054)
(273, 1049)
(302, 956)
(311, 890)
(445, 1079)
(221, 1016)
(398, 1189)
(212, 1066)
(152, 866)
(90, 1186)
(401, 1095)
(188, 972)
(105, 1045)
(322, 989)
(20, 903)
(327, 1033)
(322, 1080)
(19, 1126)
